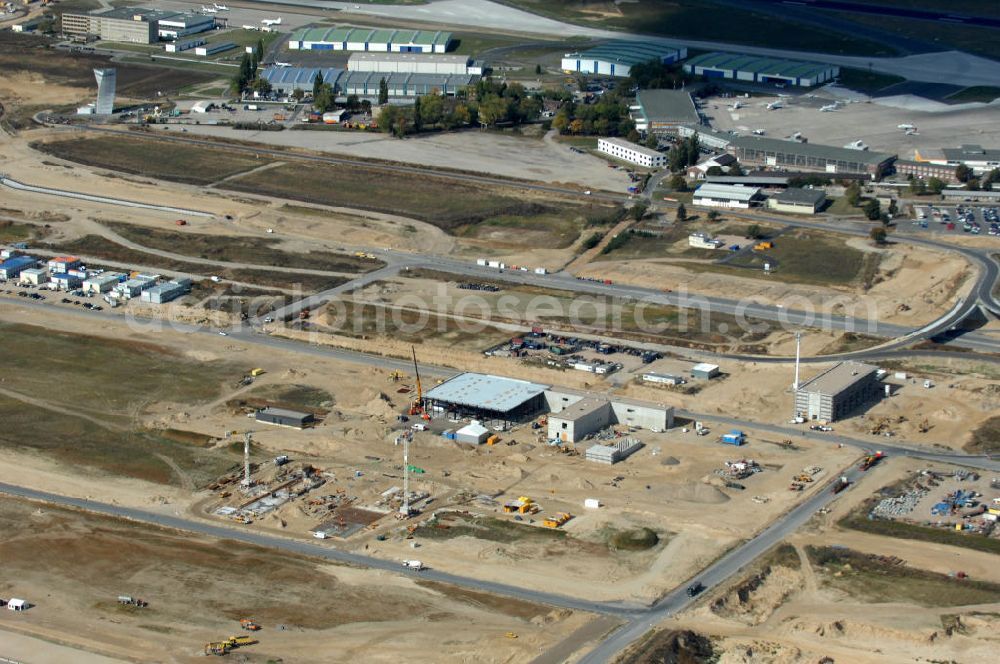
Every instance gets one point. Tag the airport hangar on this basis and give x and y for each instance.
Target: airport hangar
(286, 80)
(663, 111)
(413, 63)
(753, 69)
(616, 58)
(346, 38)
(498, 400)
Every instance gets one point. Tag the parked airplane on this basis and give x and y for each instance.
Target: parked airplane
(774, 105)
(220, 8)
(905, 127)
(271, 21)
(736, 106)
(209, 10)
(828, 108)
(282, 64)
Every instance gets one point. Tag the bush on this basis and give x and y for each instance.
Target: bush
(592, 241)
(640, 539)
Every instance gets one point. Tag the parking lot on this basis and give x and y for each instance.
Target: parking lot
(76, 297)
(962, 218)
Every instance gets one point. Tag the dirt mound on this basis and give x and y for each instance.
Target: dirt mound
(756, 598)
(671, 647)
(696, 492)
(669, 461)
(763, 652)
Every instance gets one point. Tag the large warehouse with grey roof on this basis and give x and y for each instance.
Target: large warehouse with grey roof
(347, 38)
(754, 69)
(616, 58)
(286, 80)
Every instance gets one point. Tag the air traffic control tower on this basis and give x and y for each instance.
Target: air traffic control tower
(105, 91)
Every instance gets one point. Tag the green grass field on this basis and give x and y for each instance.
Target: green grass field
(704, 19)
(157, 159)
(868, 82)
(56, 378)
(874, 581)
(13, 232)
(963, 37)
(814, 258)
(982, 93)
(250, 250)
(986, 438)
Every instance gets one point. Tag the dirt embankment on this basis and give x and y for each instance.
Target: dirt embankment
(755, 599)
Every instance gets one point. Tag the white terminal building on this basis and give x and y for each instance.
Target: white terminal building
(633, 153)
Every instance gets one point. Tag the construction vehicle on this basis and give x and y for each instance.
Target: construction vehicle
(763, 246)
(841, 484)
(796, 486)
(557, 521)
(239, 641)
(870, 460)
(417, 407)
(217, 648)
(803, 478)
(523, 505)
(511, 635)
(414, 565)
(304, 314)
(396, 376)
(249, 625)
(256, 372)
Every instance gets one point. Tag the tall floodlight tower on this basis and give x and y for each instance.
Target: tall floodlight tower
(798, 354)
(106, 79)
(246, 460)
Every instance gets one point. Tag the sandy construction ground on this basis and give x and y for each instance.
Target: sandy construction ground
(914, 286)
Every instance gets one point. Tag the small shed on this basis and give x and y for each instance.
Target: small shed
(283, 417)
(705, 371)
(474, 433)
(15, 604)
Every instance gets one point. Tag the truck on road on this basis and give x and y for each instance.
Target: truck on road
(414, 565)
(841, 484)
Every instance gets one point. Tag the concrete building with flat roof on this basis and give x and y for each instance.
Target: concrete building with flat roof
(101, 283)
(704, 371)
(617, 57)
(808, 157)
(411, 63)
(754, 69)
(36, 276)
(981, 160)
(12, 267)
(487, 398)
(574, 415)
(165, 292)
(838, 392)
(283, 417)
(663, 111)
(797, 201)
(348, 38)
(727, 196)
(925, 170)
(633, 153)
(137, 25)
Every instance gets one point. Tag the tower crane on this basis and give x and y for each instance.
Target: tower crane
(417, 407)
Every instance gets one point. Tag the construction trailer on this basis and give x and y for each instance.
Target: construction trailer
(283, 417)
